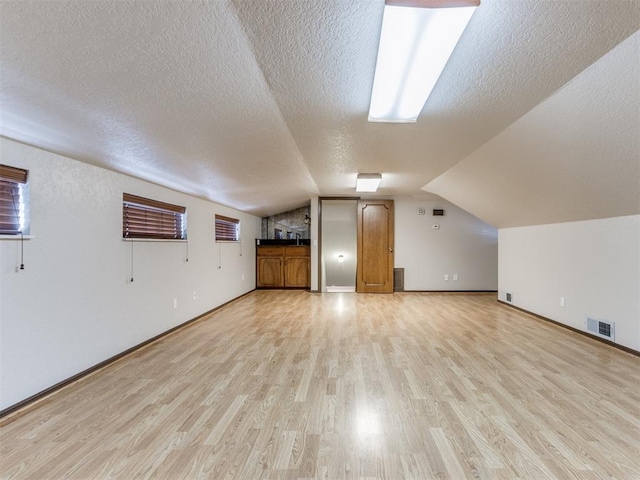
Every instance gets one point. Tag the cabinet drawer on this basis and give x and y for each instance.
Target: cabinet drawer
(270, 251)
(297, 251)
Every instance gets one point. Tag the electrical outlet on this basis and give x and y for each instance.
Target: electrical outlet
(455, 277)
(446, 277)
(562, 302)
(175, 303)
(243, 277)
(194, 294)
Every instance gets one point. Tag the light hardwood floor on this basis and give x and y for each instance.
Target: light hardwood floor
(288, 384)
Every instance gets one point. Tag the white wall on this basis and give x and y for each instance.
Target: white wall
(463, 245)
(73, 306)
(594, 264)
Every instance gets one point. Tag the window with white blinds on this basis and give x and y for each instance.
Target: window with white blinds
(14, 211)
(227, 229)
(151, 219)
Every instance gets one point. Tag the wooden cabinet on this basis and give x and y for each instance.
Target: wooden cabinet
(270, 272)
(297, 267)
(285, 266)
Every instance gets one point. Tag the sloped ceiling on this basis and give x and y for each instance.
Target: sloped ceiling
(576, 156)
(261, 105)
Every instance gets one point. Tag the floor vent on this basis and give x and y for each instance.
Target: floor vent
(398, 279)
(601, 328)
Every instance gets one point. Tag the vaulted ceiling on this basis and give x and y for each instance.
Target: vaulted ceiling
(262, 104)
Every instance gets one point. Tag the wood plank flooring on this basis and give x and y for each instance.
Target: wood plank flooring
(292, 385)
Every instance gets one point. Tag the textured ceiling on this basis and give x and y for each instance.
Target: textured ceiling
(261, 105)
(576, 156)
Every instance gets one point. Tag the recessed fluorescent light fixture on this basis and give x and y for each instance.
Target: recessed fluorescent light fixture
(417, 39)
(368, 182)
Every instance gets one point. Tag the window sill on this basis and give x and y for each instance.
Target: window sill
(16, 237)
(153, 240)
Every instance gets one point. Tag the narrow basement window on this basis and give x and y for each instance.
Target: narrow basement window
(227, 229)
(14, 201)
(145, 218)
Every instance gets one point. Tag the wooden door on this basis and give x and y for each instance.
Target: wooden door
(296, 272)
(270, 272)
(375, 246)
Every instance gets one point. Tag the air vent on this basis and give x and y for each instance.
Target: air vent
(438, 212)
(508, 295)
(398, 279)
(601, 328)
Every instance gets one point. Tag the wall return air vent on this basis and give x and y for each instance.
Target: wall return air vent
(601, 328)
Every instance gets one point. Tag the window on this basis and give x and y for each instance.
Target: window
(14, 214)
(227, 229)
(146, 218)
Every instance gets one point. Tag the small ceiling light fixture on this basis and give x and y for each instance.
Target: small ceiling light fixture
(368, 182)
(341, 258)
(417, 39)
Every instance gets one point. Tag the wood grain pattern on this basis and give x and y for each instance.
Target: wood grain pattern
(375, 246)
(269, 272)
(286, 384)
(297, 272)
(283, 266)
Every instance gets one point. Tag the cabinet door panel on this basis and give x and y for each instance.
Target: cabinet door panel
(297, 272)
(375, 246)
(270, 272)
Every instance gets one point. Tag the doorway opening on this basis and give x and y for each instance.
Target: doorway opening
(339, 241)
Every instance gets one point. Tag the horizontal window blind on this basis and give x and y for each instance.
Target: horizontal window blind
(227, 229)
(12, 181)
(147, 218)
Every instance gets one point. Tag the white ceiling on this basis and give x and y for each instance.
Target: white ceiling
(575, 156)
(262, 104)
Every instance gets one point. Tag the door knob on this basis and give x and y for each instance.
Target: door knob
(391, 249)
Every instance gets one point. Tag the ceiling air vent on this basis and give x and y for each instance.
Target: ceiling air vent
(601, 328)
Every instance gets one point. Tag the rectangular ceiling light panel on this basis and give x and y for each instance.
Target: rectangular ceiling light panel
(415, 45)
(368, 182)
